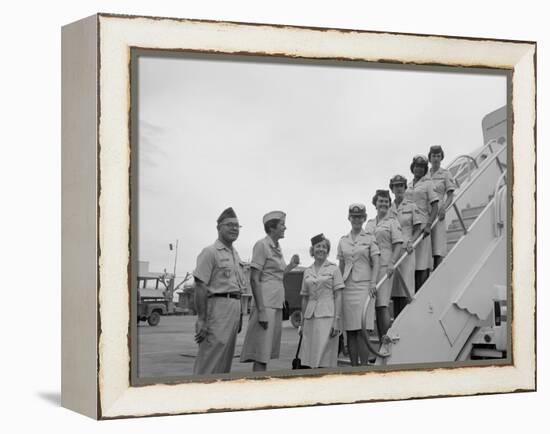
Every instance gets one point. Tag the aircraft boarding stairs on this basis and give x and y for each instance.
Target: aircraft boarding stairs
(459, 313)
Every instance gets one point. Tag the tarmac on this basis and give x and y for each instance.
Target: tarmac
(169, 349)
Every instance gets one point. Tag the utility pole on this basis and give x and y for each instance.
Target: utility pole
(175, 263)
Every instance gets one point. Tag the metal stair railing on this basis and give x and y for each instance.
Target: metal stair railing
(410, 296)
(499, 189)
(467, 168)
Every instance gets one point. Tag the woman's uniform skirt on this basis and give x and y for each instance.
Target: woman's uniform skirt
(439, 238)
(318, 348)
(261, 345)
(406, 269)
(383, 294)
(354, 296)
(423, 254)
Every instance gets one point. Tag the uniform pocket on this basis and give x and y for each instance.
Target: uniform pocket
(226, 272)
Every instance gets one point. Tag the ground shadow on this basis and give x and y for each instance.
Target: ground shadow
(53, 398)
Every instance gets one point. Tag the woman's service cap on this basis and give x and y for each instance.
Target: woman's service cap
(357, 209)
(398, 179)
(317, 239)
(272, 215)
(436, 149)
(420, 159)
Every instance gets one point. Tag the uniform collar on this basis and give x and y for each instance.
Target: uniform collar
(437, 171)
(360, 234)
(221, 246)
(424, 178)
(388, 216)
(270, 242)
(325, 264)
(396, 208)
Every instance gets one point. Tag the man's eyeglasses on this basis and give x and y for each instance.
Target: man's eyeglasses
(232, 225)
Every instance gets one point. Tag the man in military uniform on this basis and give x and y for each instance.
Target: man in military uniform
(219, 282)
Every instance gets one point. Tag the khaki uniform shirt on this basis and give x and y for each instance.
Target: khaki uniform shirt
(387, 232)
(357, 256)
(443, 183)
(423, 195)
(268, 258)
(319, 287)
(221, 269)
(408, 215)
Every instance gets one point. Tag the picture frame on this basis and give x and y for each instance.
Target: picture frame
(97, 235)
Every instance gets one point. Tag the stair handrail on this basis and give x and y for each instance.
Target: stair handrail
(416, 242)
(498, 220)
(467, 168)
(488, 145)
(472, 181)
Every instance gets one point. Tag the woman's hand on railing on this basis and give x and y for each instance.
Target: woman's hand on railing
(372, 289)
(427, 229)
(409, 247)
(389, 270)
(441, 214)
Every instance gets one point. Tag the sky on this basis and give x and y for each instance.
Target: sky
(308, 139)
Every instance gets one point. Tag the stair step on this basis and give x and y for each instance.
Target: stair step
(472, 211)
(455, 224)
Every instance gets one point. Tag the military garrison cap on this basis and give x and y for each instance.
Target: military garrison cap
(227, 213)
(317, 239)
(436, 149)
(273, 215)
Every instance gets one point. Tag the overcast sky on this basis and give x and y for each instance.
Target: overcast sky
(305, 139)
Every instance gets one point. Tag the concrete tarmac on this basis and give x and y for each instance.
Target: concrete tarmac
(169, 349)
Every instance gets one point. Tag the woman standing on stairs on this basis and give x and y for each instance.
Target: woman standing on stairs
(421, 191)
(387, 231)
(444, 185)
(359, 259)
(407, 214)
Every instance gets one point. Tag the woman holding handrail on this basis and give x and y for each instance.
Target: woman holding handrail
(407, 214)
(421, 191)
(444, 187)
(358, 256)
(388, 234)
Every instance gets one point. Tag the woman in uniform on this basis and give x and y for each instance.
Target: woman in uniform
(410, 220)
(421, 191)
(321, 303)
(444, 187)
(263, 336)
(358, 257)
(387, 232)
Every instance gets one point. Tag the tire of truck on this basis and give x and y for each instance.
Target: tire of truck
(154, 318)
(296, 318)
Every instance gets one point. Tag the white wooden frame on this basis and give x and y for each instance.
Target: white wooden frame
(96, 217)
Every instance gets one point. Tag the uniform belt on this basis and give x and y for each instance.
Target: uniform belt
(236, 295)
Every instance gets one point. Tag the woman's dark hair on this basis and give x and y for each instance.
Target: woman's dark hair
(436, 150)
(421, 161)
(381, 193)
(271, 224)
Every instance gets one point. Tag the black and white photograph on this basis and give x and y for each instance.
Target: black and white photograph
(275, 216)
(296, 217)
